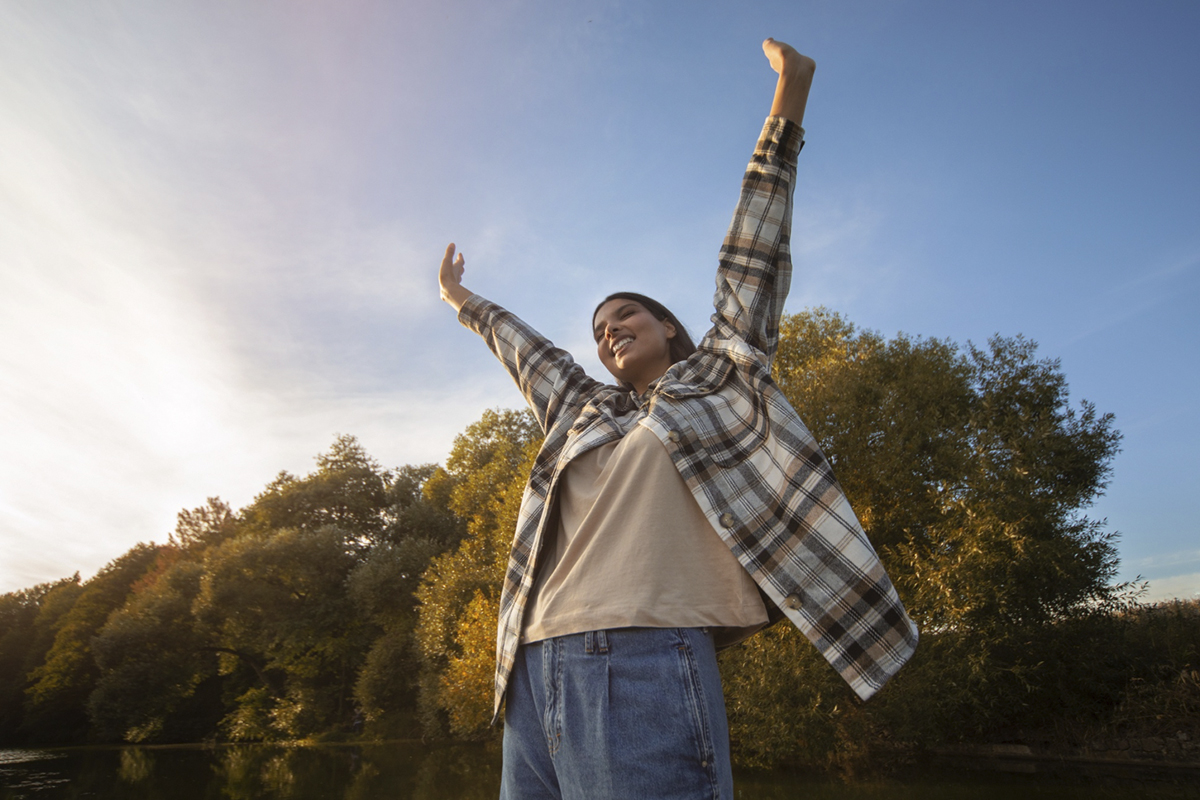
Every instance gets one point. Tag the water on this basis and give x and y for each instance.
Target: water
(399, 771)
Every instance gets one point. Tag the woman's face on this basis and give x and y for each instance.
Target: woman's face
(632, 343)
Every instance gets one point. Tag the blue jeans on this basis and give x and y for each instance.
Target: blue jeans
(627, 714)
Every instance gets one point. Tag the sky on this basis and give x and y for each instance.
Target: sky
(220, 223)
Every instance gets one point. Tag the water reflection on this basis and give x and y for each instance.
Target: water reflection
(419, 772)
(361, 772)
(136, 765)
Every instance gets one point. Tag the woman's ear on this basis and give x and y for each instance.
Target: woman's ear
(670, 328)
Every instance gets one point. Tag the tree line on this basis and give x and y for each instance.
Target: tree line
(359, 601)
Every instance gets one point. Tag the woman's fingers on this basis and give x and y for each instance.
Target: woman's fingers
(450, 278)
(452, 268)
(785, 57)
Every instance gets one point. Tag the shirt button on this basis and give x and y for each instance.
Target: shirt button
(673, 436)
(794, 601)
(727, 520)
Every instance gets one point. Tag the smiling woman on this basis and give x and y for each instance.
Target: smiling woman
(671, 515)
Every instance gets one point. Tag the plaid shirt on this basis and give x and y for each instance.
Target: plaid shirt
(749, 461)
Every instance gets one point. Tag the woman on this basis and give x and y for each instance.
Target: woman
(677, 512)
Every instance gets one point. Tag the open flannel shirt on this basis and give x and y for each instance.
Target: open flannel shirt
(751, 464)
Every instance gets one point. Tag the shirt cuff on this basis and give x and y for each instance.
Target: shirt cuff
(473, 312)
(782, 138)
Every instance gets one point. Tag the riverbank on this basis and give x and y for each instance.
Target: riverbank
(1135, 753)
(471, 772)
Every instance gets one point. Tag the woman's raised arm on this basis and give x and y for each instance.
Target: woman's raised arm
(754, 271)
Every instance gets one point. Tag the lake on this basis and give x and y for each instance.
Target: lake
(404, 770)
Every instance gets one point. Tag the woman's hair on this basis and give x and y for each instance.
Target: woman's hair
(680, 345)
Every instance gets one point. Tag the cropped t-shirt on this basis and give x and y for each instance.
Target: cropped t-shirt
(633, 549)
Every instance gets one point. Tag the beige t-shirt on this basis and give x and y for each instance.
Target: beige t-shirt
(634, 550)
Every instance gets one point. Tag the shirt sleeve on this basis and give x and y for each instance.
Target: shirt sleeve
(755, 268)
(547, 376)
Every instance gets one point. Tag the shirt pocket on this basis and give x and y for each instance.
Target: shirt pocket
(594, 426)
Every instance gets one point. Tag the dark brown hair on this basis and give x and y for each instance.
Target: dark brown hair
(680, 345)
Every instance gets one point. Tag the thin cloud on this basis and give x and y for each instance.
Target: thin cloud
(1135, 297)
(1185, 587)
(1156, 565)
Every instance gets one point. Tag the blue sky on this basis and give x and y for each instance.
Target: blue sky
(220, 223)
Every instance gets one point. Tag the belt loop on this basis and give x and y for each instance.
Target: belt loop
(602, 641)
(589, 644)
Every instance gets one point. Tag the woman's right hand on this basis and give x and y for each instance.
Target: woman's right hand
(450, 279)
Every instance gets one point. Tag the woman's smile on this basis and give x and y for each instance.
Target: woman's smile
(619, 346)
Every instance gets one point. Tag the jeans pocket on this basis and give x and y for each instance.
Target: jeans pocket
(698, 704)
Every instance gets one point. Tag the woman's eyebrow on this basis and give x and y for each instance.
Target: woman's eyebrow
(596, 329)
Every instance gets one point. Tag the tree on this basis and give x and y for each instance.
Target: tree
(970, 472)
(206, 526)
(59, 687)
(421, 526)
(277, 606)
(275, 623)
(459, 594)
(157, 665)
(383, 586)
(275, 599)
(23, 615)
(152, 658)
(349, 490)
(413, 513)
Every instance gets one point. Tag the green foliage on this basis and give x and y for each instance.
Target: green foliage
(386, 686)
(382, 587)
(485, 458)
(266, 624)
(277, 603)
(25, 619)
(466, 687)
(59, 686)
(359, 593)
(968, 471)
(152, 656)
(781, 713)
(414, 513)
(1162, 694)
(270, 623)
(482, 482)
(203, 527)
(349, 490)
